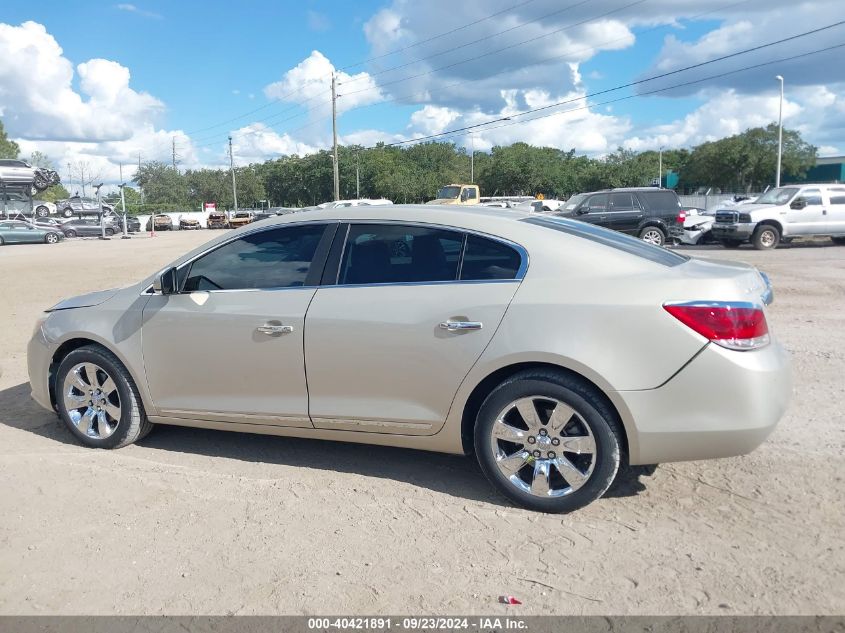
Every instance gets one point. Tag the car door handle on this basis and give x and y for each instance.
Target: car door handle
(456, 326)
(274, 330)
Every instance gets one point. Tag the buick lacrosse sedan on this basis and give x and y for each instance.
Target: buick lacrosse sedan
(550, 349)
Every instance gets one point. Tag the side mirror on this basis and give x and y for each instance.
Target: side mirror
(464, 195)
(582, 210)
(165, 283)
(798, 203)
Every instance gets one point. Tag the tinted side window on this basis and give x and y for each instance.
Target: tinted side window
(837, 196)
(660, 201)
(812, 196)
(276, 258)
(598, 204)
(387, 253)
(488, 259)
(621, 202)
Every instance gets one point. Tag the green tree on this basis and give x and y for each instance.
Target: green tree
(8, 148)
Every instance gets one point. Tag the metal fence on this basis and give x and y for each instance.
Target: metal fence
(706, 201)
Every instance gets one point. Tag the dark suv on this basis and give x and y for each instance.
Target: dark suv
(650, 213)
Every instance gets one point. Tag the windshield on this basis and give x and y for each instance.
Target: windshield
(778, 195)
(449, 192)
(574, 201)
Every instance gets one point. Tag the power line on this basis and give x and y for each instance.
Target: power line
(464, 132)
(504, 48)
(481, 39)
(629, 84)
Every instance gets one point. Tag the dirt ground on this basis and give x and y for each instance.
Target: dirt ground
(194, 521)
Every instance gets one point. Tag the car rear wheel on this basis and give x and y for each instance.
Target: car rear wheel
(98, 400)
(731, 243)
(109, 232)
(766, 237)
(41, 211)
(548, 441)
(653, 235)
(70, 233)
(51, 238)
(68, 212)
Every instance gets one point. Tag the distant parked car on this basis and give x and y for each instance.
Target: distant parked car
(162, 223)
(696, 226)
(189, 224)
(650, 213)
(47, 223)
(217, 220)
(133, 223)
(241, 218)
(15, 232)
(77, 205)
(19, 172)
(88, 227)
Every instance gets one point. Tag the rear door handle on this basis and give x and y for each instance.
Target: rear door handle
(456, 326)
(274, 330)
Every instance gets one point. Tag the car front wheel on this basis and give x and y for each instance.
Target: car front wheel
(766, 237)
(98, 400)
(548, 441)
(67, 212)
(42, 211)
(70, 233)
(51, 238)
(653, 235)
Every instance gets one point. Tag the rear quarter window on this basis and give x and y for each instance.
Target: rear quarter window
(661, 200)
(611, 239)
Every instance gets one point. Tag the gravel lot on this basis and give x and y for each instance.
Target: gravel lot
(194, 521)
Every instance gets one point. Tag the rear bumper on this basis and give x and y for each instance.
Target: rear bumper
(723, 403)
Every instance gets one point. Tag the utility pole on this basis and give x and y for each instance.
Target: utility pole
(780, 131)
(232, 167)
(472, 158)
(334, 137)
(69, 179)
(174, 153)
(357, 176)
(123, 203)
(140, 187)
(660, 169)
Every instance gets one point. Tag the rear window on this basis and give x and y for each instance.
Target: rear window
(619, 241)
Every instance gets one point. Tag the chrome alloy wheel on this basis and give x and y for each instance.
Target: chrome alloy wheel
(543, 446)
(92, 400)
(653, 236)
(767, 238)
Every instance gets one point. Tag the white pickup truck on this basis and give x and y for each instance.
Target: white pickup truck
(782, 214)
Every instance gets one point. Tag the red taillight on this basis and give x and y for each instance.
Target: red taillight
(740, 326)
(682, 215)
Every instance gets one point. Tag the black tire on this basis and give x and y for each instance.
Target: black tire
(133, 421)
(41, 211)
(67, 212)
(109, 232)
(766, 237)
(51, 238)
(655, 234)
(1, 241)
(70, 233)
(838, 240)
(587, 403)
(731, 243)
(40, 181)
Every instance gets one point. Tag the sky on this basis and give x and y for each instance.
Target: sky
(101, 83)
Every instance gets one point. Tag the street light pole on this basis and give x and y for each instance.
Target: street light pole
(780, 131)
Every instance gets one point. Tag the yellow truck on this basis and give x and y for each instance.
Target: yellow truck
(457, 194)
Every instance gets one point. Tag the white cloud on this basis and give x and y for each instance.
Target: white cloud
(131, 8)
(257, 142)
(309, 84)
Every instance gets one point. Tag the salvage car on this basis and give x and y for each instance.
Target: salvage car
(189, 224)
(43, 208)
(13, 232)
(696, 226)
(652, 214)
(19, 172)
(241, 218)
(162, 222)
(469, 340)
(217, 220)
(79, 206)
